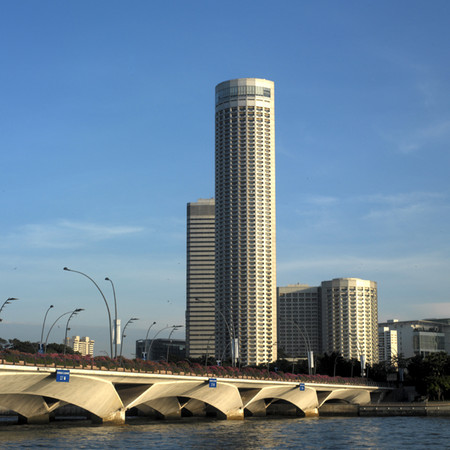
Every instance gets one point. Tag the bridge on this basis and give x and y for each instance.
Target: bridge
(37, 392)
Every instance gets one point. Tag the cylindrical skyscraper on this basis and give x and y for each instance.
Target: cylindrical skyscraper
(245, 221)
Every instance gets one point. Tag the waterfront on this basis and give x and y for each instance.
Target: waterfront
(322, 433)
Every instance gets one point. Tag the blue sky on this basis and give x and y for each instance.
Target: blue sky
(107, 131)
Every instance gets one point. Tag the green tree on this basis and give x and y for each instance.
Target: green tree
(431, 375)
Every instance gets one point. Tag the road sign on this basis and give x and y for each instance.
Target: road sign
(62, 375)
(302, 386)
(213, 382)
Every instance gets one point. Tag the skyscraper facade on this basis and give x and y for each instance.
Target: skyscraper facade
(350, 318)
(246, 323)
(200, 286)
(298, 314)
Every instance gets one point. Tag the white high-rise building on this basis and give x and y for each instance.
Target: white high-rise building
(387, 345)
(246, 322)
(350, 318)
(84, 345)
(200, 286)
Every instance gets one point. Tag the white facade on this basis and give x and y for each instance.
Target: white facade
(350, 318)
(387, 345)
(84, 345)
(420, 337)
(200, 286)
(245, 220)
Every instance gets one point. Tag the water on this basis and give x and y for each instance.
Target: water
(304, 433)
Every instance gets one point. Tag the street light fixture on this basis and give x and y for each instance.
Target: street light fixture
(106, 303)
(309, 352)
(146, 342)
(41, 344)
(116, 327)
(230, 332)
(54, 323)
(133, 319)
(362, 357)
(74, 313)
(156, 335)
(7, 302)
(168, 344)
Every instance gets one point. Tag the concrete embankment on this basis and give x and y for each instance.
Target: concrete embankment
(386, 409)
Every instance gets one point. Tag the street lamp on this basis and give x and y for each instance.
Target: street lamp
(133, 319)
(168, 344)
(362, 357)
(54, 323)
(145, 342)
(230, 332)
(7, 302)
(116, 326)
(156, 335)
(74, 313)
(41, 345)
(309, 352)
(106, 303)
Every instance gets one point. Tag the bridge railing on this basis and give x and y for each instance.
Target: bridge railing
(181, 368)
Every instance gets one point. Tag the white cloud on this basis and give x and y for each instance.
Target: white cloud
(411, 141)
(404, 205)
(65, 234)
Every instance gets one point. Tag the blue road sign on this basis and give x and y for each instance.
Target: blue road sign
(62, 375)
(213, 382)
(302, 386)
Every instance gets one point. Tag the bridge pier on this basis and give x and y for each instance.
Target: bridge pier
(258, 408)
(117, 418)
(237, 414)
(314, 412)
(34, 420)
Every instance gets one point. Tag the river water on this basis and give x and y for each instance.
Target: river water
(305, 433)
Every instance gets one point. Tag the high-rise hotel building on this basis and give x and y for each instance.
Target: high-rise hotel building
(245, 295)
(349, 312)
(200, 286)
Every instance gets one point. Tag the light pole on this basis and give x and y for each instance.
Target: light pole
(156, 335)
(54, 323)
(41, 345)
(145, 342)
(309, 352)
(106, 303)
(168, 344)
(362, 357)
(133, 319)
(116, 327)
(230, 332)
(74, 313)
(7, 302)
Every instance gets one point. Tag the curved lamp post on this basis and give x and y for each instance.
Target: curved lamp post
(145, 342)
(54, 323)
(7, 302)
(170, 335)
(362, 357)
(106, 303)
(156, 335)
(310, 353)
(230, 332)
(115, 316)
(74, 313)
(41, 344)
(133, 319)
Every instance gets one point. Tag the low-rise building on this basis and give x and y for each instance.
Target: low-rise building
(420, 337)
(161, 349)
